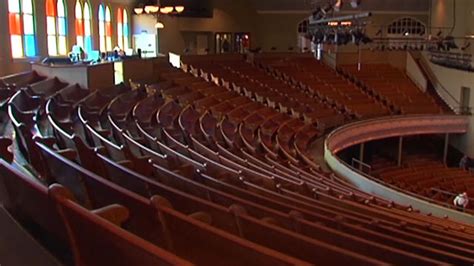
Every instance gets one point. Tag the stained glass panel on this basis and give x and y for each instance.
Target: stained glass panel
(30, 46)
(28, 24)
(13, 6)
(17, 46)
(51, 25)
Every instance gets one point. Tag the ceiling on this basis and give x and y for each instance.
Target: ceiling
(366, 5)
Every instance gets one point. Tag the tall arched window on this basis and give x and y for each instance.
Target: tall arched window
(102, 28)
(22, 28)
(122, 28)
(56, 27)
(126, 30)
(105, 28)
(108, 29)
(83, 26)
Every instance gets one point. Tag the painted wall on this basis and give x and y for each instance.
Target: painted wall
(228, 16)
(453, 17)
(9, 65)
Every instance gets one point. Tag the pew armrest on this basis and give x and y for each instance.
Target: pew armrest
(116, 214)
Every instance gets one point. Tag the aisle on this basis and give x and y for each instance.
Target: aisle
(17, 247)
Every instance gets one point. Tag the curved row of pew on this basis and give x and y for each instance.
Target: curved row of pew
(188, 170)
(426, 176)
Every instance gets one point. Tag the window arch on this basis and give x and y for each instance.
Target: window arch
(105, 28)
(56, 27)
(407, 26)
(122, 29)
(22, 28)
(83, 26)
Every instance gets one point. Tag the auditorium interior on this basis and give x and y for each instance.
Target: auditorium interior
(248, 132)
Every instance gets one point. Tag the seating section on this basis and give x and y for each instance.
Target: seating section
(426, 176)
(323, 83)
(392, 87)
(207, 166)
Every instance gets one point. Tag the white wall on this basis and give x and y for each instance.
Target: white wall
(452, 80)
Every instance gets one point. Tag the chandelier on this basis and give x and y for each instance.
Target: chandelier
(155, 7)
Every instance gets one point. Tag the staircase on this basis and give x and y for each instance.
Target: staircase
(431, 81)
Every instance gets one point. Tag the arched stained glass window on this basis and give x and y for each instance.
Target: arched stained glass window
(126, 30)
(22, 28)
(56, 27)
(108, 29)
(83, 26)
(102, 28)
(87, 27)
(122, 29)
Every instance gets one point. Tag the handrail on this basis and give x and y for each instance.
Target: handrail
(448, 193)
(361, 166)
(424, 65)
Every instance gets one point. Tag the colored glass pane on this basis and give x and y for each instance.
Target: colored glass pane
(52, 48)
(87, 11)
(101, 13)
(79, 28)
(108, 43)
(27, 7)
(50, 8)
(87, 28)
(62, 45)
(78, 10)
(88, 43)
(62, 26)
(61, 9)
(30, 46)
(17, 46)
(80, 41)
(51, 25)
(108, 29)
(107, 14)
(13, 6)
(28, 24)
(119, 16)
(15, 24)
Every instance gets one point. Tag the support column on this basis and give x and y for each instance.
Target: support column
(361, 155)
(400, 149)
(359, 59)
(446, 146)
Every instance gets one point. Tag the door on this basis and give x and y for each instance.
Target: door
(223, 42)
(242, 42)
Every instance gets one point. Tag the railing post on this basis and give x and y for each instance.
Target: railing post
(446, 146)
(400, 149)
(361, 155)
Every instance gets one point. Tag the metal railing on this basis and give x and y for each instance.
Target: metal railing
(457, 108)
(361, 166)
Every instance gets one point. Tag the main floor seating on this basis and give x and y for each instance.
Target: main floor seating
(211, 165)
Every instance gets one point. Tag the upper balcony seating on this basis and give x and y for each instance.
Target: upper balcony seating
(393, 88)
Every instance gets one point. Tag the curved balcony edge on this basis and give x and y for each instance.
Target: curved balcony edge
(394, 126)
(353, 134)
